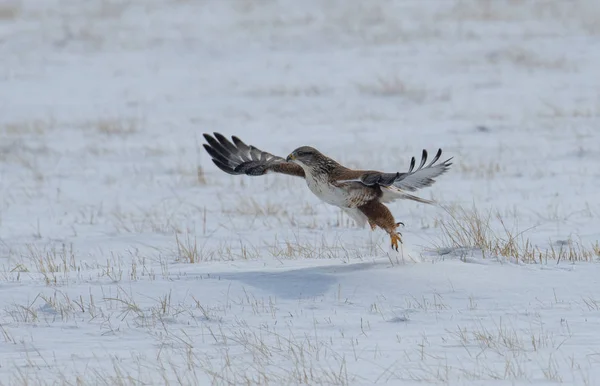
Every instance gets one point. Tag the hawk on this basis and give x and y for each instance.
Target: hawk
(359, 193)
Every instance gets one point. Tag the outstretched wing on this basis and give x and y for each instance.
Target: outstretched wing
(395, 185)
(423, 176)
(238, 158)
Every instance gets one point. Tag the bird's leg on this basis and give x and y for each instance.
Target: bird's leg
(395, 236)
(380, 216)
(372, 224)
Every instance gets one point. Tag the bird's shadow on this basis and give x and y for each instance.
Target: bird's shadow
(295, 283)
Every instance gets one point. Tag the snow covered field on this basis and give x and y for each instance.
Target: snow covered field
(127, 257)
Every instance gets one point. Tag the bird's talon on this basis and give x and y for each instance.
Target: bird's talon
(399, 223)
(395, 238)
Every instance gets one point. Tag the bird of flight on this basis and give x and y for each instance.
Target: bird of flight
(360, 193)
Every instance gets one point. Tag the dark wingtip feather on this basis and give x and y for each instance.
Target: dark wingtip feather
(219, 148)
(436, 158)
(412, 164)
(238, 141)
(240, 144)
(224, 167)
(221, 138)
(423, 159)
(215, 154)
(225, 143)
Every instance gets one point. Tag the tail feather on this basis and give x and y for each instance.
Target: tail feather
(418, 199)
(392, 193)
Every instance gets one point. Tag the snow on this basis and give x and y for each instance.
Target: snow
(102, 207)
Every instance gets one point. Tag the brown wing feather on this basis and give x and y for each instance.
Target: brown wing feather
(238, 158)
(342, 174)
(412, 180)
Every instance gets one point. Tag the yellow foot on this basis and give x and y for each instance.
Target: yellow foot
(396, 237)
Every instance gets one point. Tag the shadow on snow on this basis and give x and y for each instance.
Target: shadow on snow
(296, 283)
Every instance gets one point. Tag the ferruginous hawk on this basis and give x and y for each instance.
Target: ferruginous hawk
(360, 193)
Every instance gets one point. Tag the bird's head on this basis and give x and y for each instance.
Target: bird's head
(305, 156)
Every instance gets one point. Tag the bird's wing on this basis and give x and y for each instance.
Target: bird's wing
(397, 183)
(423, 176)
(238, 158)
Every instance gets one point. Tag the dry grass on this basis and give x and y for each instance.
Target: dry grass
(484, 170)
(553, 111)
(526, 58)
(200, 175)
(308, 360)
(396, 87)
(298, 248)
(489, 233)
(488, 10)
(118, 126)
(392, 87)
(58, 265)
(10, 9)
(26, 154)
(187, 249)
(519, 10)
(285, 91)
(578, 16)
(163, 218)
(197, 341)
(250, 207)
(29, 127)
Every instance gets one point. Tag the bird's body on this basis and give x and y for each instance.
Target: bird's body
(360, 193)
(326, 191)
(323, 184)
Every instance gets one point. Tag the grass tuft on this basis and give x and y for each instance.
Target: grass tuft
(489, 233)
(187, 250)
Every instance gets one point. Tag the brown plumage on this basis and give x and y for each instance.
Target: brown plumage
(360, 193)
(379, 215)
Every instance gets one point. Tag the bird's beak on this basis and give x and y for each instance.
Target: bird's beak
(290, 157)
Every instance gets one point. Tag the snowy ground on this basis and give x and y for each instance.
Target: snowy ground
(128, 258)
